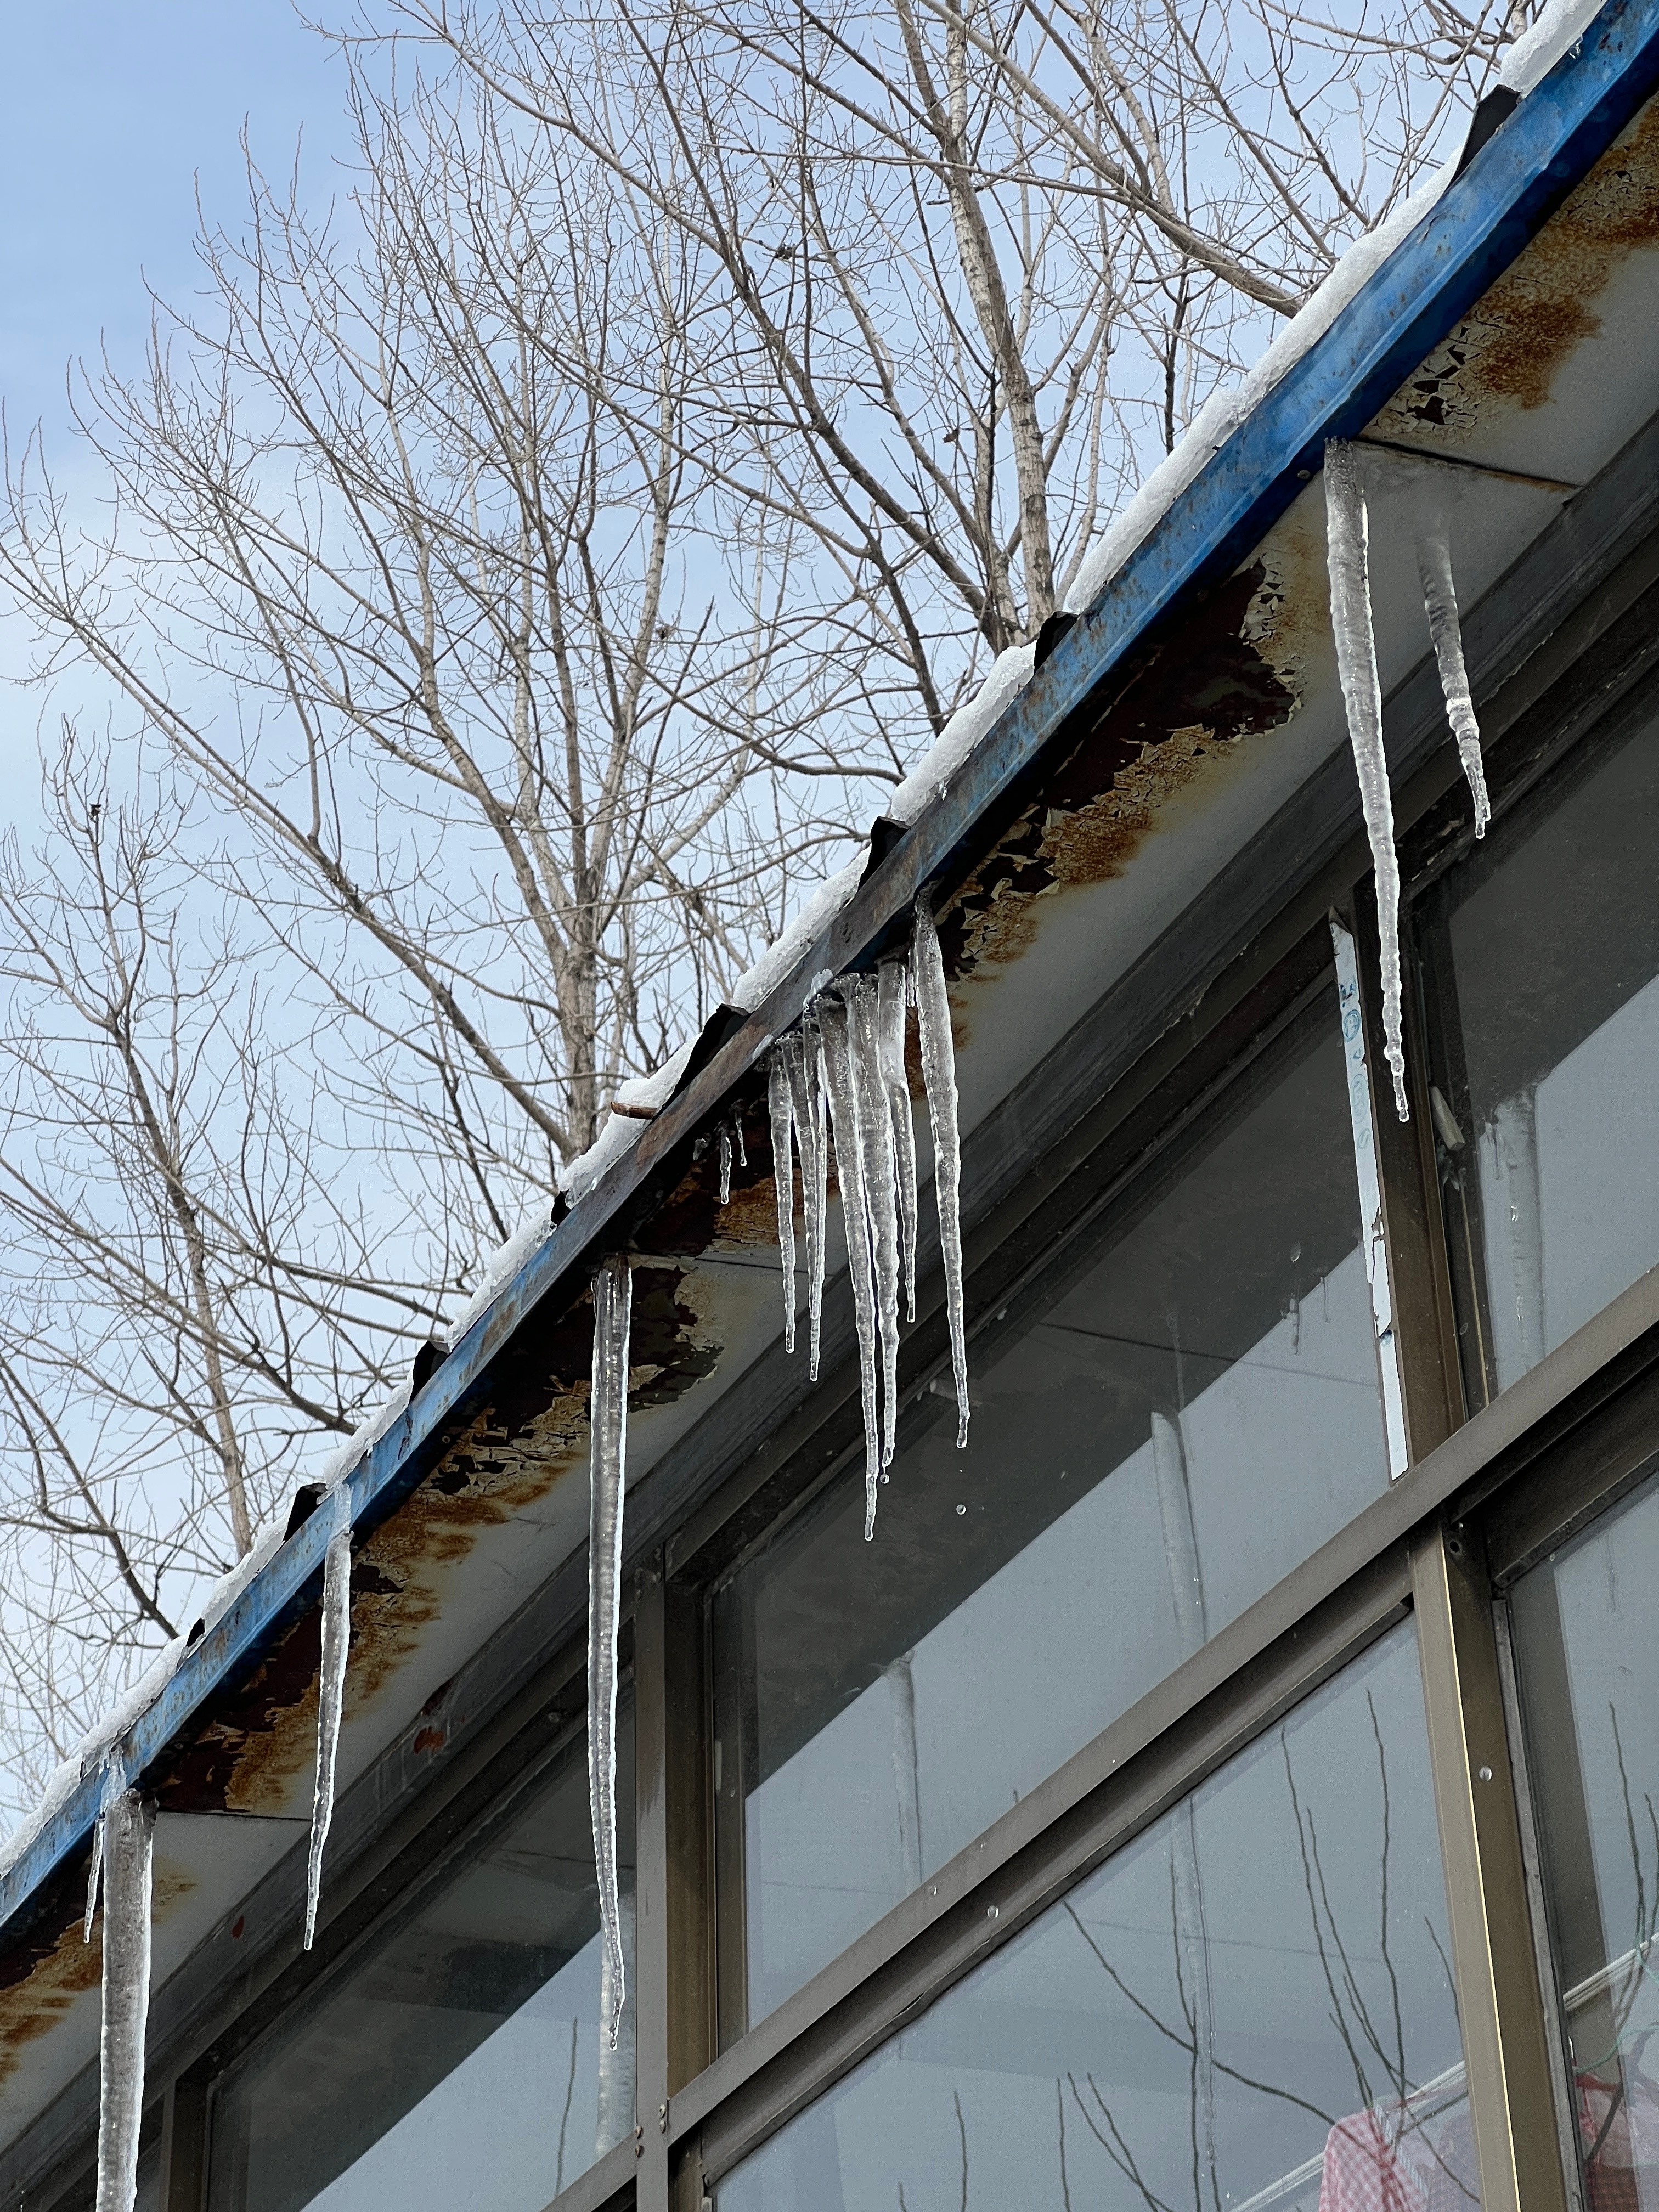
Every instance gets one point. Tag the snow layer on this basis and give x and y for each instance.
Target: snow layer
(816, 913)
(1536, 53)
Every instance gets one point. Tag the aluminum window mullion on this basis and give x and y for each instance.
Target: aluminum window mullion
(1512, 2097)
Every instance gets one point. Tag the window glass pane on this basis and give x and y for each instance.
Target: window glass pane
(457, 2058)
(1546, 948)
(1249, 2003)
(1589, 1663)
(1187, 1408)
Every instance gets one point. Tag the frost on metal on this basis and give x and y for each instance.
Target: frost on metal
(126, 1831)
(1434, 566)
(1347, 551)
(613, 1301)
(331, 1689)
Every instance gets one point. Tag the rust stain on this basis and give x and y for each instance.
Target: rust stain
(257, 1737)
(1511, 344)
(39, 1981)
(1226, 670)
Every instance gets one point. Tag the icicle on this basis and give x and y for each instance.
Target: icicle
(113, 1782)
(939, 1067)
(726, 1163)
(330, 1687)
(780, 1106)
(737, 1138)
(615, 2116)
(1362, 693)
(1440, 599)
(880, 1189)
(835, 1029)
(129, 1825)
(893, 984)
(613, 1301)
(806, 1090)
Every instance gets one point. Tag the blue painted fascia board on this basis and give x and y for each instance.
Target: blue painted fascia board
(1401, 311)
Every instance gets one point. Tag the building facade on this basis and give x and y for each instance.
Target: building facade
(1232, 1778)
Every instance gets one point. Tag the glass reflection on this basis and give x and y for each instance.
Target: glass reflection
(1165, 1427)
(1248, 2007)
(1589, 1674)
(457, 2059)
(1544, 951)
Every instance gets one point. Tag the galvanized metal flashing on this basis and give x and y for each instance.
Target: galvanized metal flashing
(1409, 303)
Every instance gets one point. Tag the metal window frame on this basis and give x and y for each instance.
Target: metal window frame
(1595, 1400)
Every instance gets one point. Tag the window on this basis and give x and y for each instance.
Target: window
(1543, 948)
(1185, 1406)
(456, 2058)
(1588, 1667)
(1248, 2004)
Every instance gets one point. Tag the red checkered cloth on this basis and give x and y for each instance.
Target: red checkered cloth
(1619, 2126)
(1388, 2160)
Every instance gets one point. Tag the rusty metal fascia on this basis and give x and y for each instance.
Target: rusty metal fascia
(1401, 311)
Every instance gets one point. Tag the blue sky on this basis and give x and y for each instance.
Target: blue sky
(113, 112)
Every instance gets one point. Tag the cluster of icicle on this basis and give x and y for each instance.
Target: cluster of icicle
(841, 1075)
(1348, 555)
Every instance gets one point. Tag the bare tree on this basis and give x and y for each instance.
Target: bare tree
(510, 581)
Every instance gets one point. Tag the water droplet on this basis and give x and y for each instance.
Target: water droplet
(961, 1509)
(990, 1912)
(1485, 1774)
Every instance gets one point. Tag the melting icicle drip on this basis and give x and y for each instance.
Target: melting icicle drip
(1446, 632)
(836, 1030)
(1362, 693)
(804, 1062)
(330, 1688)
(726, 1163)
(613, 1301)
(880, 1190)
(129, 1830)
(892, 989)
(939, 1067)
(780, 1111)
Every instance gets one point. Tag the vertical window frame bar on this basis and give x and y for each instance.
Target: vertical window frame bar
(1512, 2099)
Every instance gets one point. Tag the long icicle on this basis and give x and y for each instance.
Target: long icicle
(939, 1068)
(130, 1832)
(880, 1192)
(1434, 566)
(330, 1688)
(806, 1085)
(892, 981)
(613, 1303)
(1345, 528)
(835, 1027)
(781, 1110)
